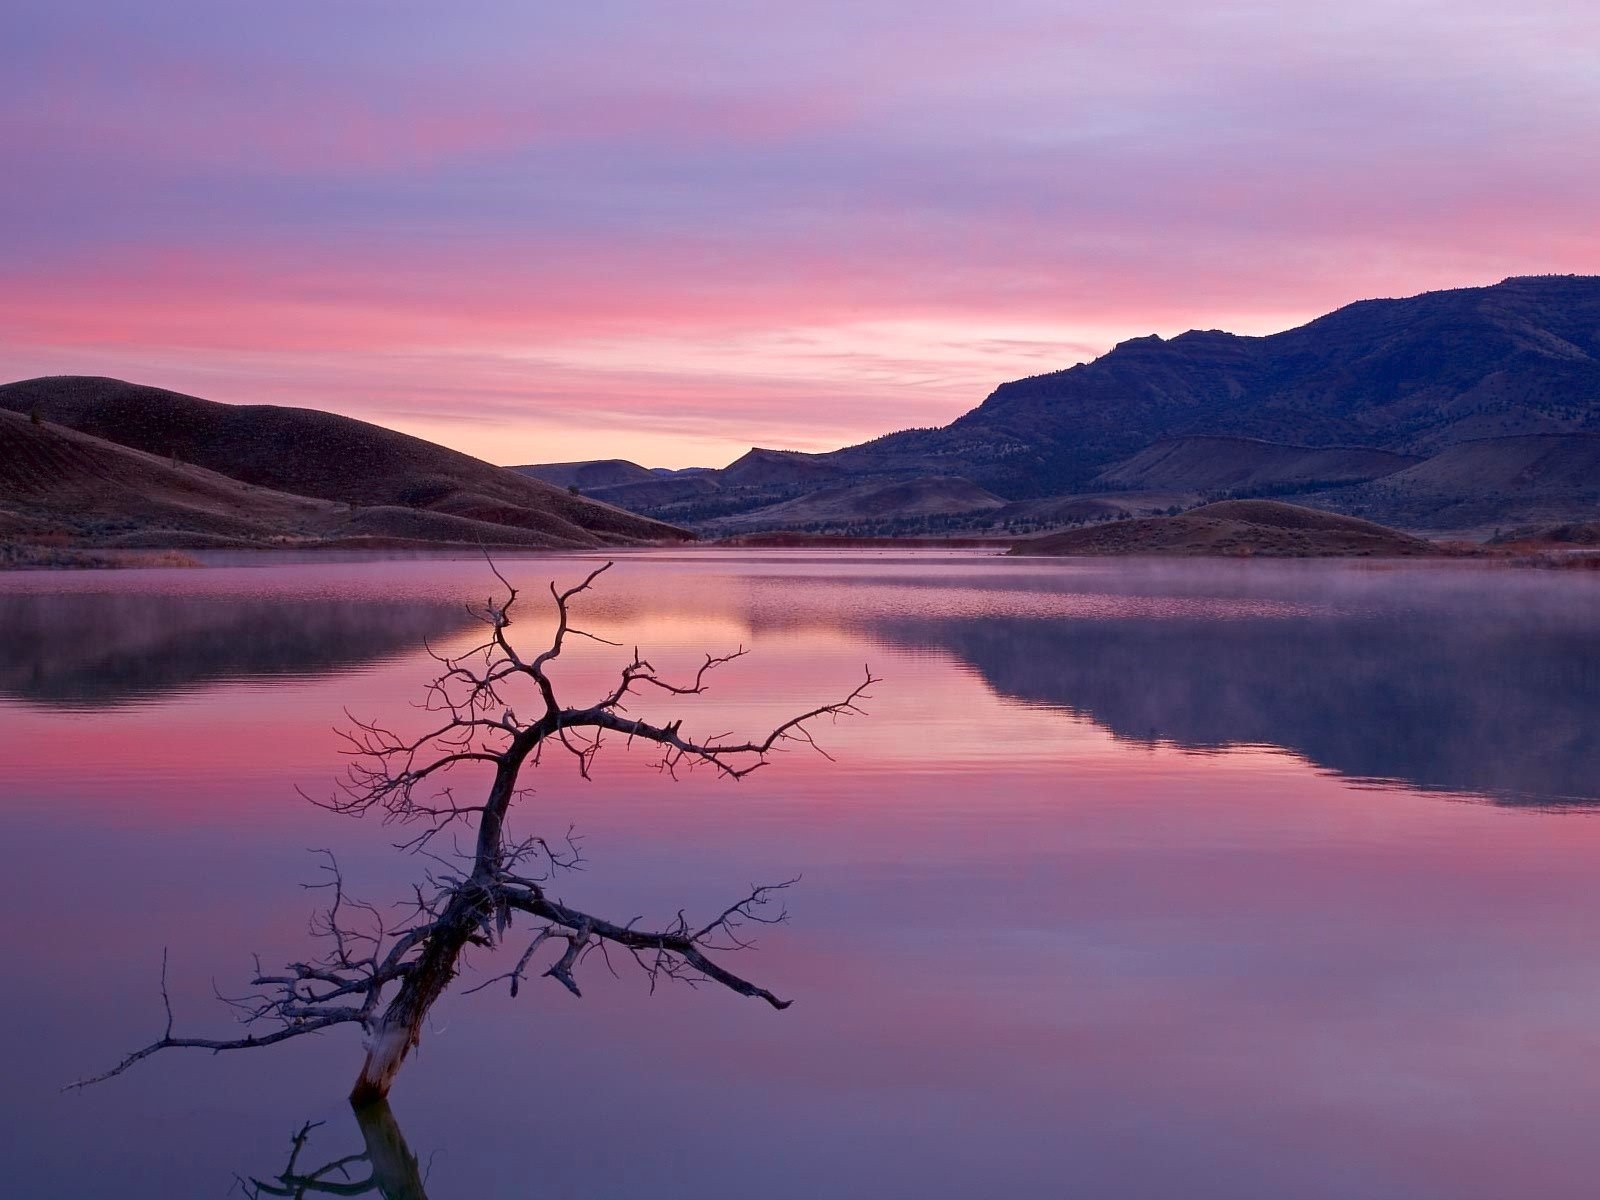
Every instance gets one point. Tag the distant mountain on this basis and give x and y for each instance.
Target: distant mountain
(1410, 376)
(657, 491)
(1341, 412)
(393, 485)
(590, 474)
(777, 468)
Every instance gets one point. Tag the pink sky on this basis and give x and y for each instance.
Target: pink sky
(548, 232)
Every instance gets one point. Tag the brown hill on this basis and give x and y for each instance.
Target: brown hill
(1224, 464)
(310, 453)
(760, 468)
(1233, 527)
(58, 481)
(58, 485)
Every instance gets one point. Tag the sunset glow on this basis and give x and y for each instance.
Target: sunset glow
(552, 232)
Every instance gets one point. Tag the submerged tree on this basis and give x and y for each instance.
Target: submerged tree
(385, 974)
(385, 1165)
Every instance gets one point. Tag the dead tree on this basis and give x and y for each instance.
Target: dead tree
(384, 973)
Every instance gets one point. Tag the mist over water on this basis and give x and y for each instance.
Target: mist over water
(1229, 879)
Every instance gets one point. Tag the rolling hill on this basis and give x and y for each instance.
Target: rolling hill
(57, 481)
(62, 487)
(393, 484)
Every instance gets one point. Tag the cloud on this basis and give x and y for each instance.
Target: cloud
(716, 219)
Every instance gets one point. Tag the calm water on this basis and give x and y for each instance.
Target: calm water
(1211, 880)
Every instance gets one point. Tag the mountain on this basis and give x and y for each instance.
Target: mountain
(1234, 527)
(393, 485)
(1344, 412)
(588, 475)
(1410, 376)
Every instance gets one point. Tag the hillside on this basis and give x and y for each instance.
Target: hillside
(324, 456)
(1216, 464)
(62, 487)
(1233, 527)
(587, 475)
(776, 468)
(658, 491)
(1482, 484)
(56, 481)
(867, 504)
(1410, 376)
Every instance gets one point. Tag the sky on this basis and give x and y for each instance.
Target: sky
(667, 232)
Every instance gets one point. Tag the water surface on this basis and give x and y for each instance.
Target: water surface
(1221, 880)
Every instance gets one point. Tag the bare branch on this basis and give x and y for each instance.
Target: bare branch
(384, 973)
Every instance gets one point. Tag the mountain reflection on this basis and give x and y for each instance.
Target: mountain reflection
(384, 1167)
(90, 650)
(1501, 709)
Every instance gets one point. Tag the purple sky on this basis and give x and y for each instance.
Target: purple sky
(547, 231)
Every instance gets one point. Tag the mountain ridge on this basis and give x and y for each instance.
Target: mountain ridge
(1409, 375)
(1324, 410)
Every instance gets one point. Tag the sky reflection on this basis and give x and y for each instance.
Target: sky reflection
(1032, 952)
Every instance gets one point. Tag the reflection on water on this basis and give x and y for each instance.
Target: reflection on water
(1445, 698)
(1041, 946)
(385, 1166)
(89, 649)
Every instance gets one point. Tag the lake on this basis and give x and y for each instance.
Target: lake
(1141, 879)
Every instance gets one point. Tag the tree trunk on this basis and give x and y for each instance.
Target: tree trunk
(400, 1028)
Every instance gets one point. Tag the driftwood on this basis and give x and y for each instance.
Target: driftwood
(385, 974)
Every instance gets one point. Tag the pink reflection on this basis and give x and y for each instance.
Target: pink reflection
(1023, 950)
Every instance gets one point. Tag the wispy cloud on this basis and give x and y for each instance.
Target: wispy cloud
(685, 231)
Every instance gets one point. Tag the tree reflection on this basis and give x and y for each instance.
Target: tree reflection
(385, 1166)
